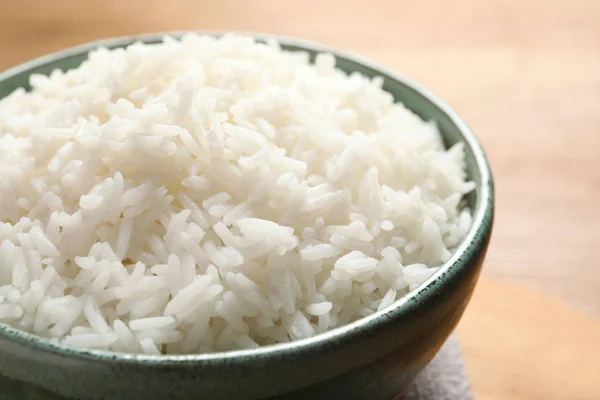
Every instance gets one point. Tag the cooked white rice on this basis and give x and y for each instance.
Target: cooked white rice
(211, 194)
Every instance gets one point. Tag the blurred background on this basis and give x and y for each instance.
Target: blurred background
(525, 74)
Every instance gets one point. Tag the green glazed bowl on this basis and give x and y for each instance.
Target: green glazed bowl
(373, 358)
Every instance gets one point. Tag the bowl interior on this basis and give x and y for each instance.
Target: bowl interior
(415, 97)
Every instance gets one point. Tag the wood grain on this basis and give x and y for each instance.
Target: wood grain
(525, 74)
(522, 345)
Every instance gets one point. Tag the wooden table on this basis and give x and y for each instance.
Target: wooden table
(524, 73)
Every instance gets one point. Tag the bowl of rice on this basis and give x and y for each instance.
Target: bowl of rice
(208, 215)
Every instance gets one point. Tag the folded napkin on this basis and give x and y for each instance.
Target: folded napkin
(444, 378)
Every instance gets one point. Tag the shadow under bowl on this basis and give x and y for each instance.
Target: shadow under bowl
(373, 358)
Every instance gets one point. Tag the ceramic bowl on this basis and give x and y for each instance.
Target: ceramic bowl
(373, 358)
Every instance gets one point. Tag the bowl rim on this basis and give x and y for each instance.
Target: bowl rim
(480, 227)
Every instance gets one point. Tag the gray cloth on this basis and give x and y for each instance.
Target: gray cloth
(444, 378)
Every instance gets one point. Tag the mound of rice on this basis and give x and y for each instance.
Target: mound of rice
(206, 194)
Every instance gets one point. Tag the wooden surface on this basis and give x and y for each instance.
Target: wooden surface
(522, 345)
(525, 74)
